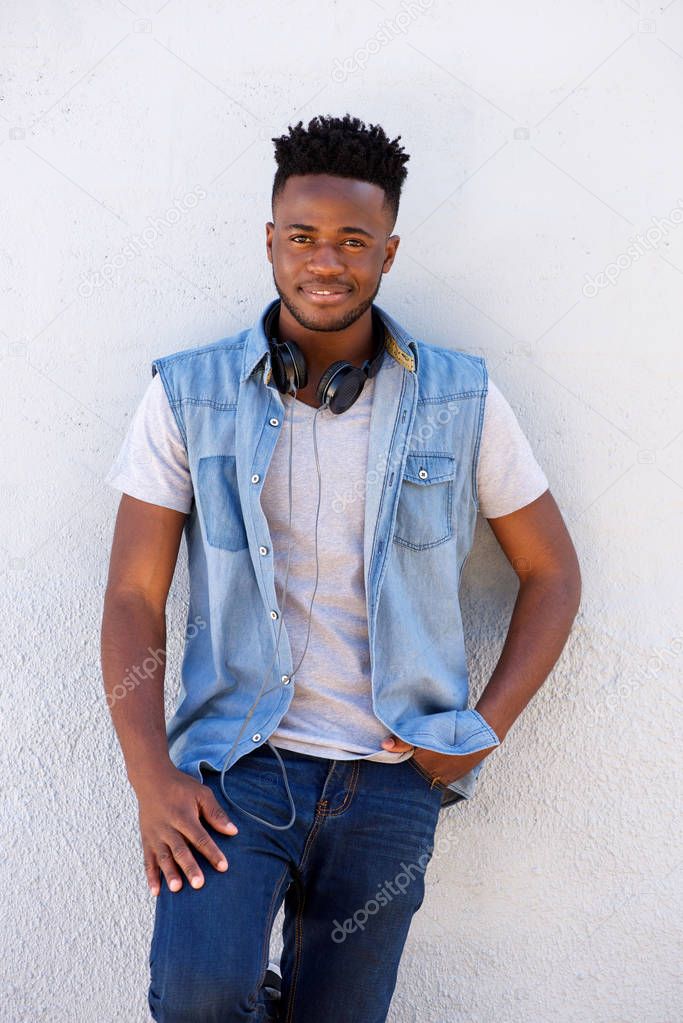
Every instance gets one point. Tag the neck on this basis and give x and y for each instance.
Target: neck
(356, 343)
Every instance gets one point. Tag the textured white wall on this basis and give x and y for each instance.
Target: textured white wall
(544, 138)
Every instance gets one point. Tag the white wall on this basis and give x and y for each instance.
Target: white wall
(543, 138)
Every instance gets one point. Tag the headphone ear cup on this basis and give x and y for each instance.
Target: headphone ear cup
(321, 390)
(289, 366)
(339, 386)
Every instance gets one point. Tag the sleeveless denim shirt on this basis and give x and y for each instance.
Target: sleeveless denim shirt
(420, 514)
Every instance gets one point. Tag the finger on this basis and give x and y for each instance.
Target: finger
(184, 858)
(151, 871)
(396, 745)
(214, 813)
(203, 841)
(169, 868)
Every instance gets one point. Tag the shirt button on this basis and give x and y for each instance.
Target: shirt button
(255, 478)
(273, 615)
(274, 421)
(285, 680)
(255, 738)
(263, 550)
(423, 474)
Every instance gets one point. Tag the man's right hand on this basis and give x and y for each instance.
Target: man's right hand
(170, 803)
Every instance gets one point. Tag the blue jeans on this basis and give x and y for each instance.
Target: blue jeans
(350, 871)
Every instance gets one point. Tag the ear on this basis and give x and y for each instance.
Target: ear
(270, 227)
(391, 247)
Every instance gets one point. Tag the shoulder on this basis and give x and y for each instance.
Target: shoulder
(201, 353)
(154, 405)
(203, 374)
(207, 374)
(442, 370)
(508, 474)
(499, 413)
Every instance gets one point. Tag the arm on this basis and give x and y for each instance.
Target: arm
(537, 545)
(133, 648)
(143, 558)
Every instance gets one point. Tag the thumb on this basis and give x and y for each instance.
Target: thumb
(396, 745)
(215, 814)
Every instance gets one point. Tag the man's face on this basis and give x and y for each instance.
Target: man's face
(330, 234)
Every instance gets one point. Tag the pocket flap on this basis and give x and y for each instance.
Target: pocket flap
(434, 467)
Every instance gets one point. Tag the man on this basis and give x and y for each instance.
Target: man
(326, 469)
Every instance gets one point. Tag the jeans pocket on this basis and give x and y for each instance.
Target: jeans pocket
(433, 782)
(424, 513)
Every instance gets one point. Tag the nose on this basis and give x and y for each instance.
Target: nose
(325, 259)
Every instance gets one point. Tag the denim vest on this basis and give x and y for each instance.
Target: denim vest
(420, 514)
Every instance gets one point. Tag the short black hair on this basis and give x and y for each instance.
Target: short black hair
(344, 146)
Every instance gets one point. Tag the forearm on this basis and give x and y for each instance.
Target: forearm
(539, 626)
(133, 657)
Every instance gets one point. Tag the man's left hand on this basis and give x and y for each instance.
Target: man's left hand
(443, 767)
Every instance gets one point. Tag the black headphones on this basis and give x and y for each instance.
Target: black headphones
(340, 384)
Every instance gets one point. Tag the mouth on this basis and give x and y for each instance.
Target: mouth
(332, 295)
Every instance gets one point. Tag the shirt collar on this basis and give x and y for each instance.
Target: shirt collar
(399, 344)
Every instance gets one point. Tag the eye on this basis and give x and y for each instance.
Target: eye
(355, 242)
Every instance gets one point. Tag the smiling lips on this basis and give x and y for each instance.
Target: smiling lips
(329, 294)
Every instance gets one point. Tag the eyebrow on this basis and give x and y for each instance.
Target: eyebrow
(342, 230)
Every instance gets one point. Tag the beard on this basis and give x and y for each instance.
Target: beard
(312, 320)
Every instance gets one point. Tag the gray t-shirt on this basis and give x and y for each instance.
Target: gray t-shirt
(331, 712)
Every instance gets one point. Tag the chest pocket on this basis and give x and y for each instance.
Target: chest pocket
(219, 502)
(424, 513)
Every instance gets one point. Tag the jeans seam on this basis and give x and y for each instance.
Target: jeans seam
(349, 793)
(298, 947)
(269, 923)
(309, 843)
(298, 939)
